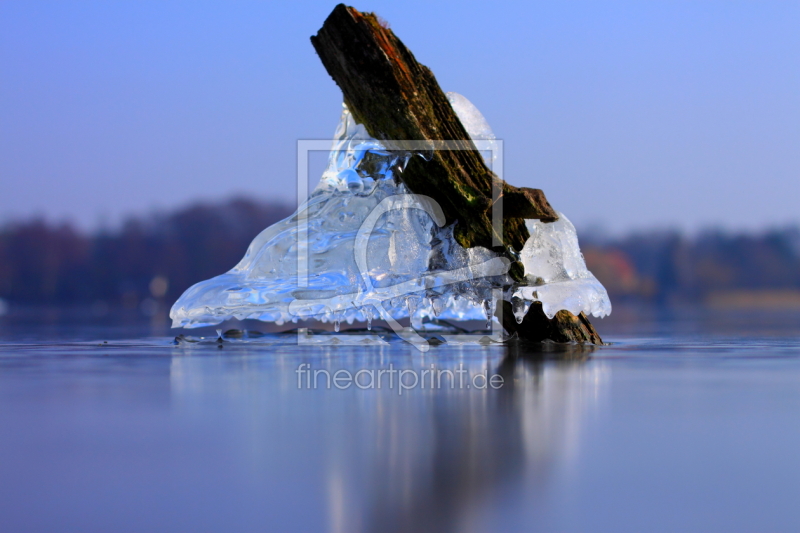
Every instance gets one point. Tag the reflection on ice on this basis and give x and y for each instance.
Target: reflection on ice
(426, 460)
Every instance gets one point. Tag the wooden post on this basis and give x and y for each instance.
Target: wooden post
(398, 99)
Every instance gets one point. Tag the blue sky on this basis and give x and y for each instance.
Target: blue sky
(629, 115)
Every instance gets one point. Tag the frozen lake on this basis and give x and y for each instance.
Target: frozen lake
(685, 423)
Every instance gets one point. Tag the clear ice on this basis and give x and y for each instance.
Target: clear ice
(371, 250)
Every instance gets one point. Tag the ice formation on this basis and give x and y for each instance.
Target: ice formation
(370, 249)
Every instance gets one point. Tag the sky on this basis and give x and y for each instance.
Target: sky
(629, 115)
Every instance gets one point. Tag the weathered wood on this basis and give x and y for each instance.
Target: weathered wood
(536, 327)
(523, 202)
(398, 99)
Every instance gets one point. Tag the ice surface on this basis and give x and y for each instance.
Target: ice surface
(372, 249)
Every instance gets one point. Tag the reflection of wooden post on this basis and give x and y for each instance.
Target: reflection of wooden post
(396, 98)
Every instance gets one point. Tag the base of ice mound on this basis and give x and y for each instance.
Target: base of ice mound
(362, 247)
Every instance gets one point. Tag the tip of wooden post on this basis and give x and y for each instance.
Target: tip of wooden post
(523, 202)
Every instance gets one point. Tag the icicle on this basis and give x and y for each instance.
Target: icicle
(368, 314)
(336, 320)
(487, 310)
(437, 305)
(411, 305)
(520, 307)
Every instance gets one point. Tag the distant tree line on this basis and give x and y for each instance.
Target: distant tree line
(158, 257)
(667, 267)
(148, 257)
